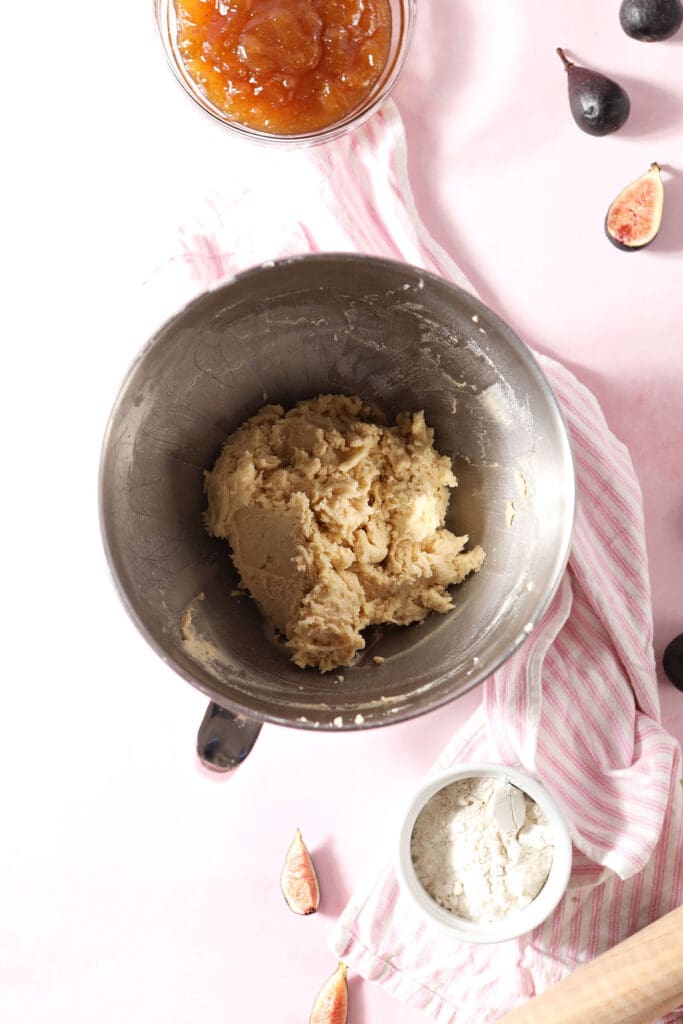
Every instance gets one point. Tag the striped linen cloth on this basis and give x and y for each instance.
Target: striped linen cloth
(577, 705)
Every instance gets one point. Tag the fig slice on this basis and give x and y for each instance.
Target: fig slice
(332, 1002)
(298, 881)
(635, 216)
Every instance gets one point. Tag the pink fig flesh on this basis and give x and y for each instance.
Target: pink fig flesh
(331, 1005)
(298, 881)
(635, 216)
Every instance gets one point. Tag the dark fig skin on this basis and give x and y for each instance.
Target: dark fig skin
(650, 21)
(673, 661)
(598, 104)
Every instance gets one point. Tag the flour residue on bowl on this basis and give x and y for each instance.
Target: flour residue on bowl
(499, 403)
(195, 644)
(521, 483)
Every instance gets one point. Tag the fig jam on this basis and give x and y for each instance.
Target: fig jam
(284, 66)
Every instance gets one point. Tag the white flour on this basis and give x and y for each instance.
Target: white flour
(482, 849)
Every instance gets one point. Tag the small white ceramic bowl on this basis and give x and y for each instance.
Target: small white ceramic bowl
(520, 922)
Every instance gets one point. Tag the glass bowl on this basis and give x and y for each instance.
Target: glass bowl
(403, 27)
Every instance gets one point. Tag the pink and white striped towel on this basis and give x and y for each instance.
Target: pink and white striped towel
(577, 704)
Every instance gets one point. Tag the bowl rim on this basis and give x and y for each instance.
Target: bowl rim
(478, 673)
(519, 923)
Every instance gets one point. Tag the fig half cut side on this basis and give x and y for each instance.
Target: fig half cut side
(331, 1005)
(298, 881)
(635, 216)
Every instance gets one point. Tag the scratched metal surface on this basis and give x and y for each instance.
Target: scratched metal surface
(403, 340)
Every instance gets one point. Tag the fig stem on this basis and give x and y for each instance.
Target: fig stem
(655, 166)
(567, 63)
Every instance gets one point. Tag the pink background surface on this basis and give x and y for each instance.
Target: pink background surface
(132, 886)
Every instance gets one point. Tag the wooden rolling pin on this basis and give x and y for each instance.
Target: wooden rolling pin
(635, 982)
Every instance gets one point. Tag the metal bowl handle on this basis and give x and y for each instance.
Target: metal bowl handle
(225, 739)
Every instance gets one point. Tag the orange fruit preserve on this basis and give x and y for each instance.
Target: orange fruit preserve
(284, 66)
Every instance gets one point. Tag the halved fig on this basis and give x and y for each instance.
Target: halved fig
(635, 216)
(331, 1005)
(298, 881)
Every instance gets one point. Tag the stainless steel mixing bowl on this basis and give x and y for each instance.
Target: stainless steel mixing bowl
(404, 340)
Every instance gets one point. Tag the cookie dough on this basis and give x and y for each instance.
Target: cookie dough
(336, 522)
